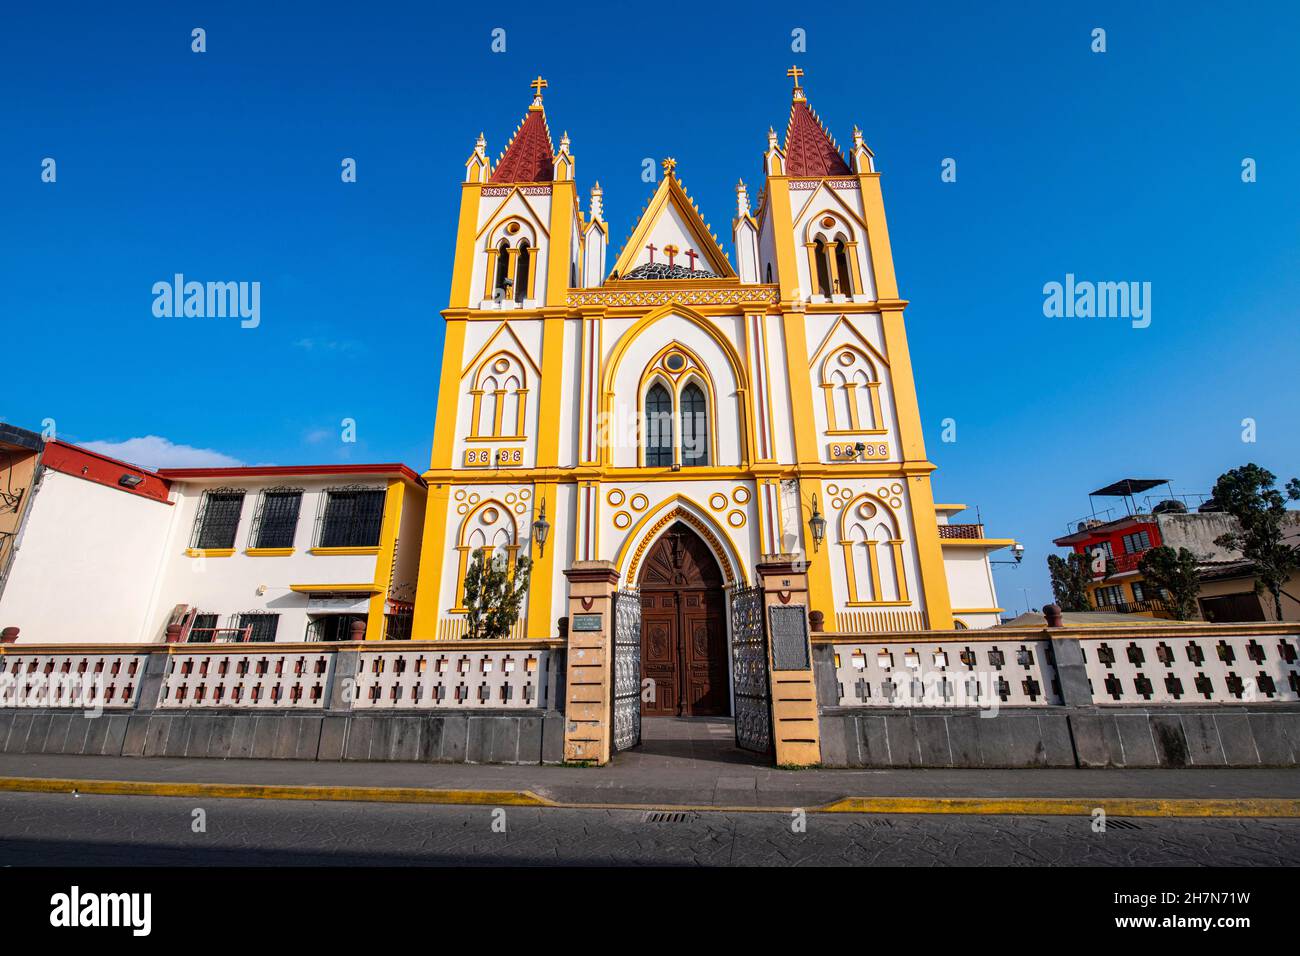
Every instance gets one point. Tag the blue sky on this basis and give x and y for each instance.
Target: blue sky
(1122, 166)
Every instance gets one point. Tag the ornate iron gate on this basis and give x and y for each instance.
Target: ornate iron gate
(749, 671)
(627, 670)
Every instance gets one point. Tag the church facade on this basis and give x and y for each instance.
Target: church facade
(683, 414)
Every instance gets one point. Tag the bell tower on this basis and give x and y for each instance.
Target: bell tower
(822, 237)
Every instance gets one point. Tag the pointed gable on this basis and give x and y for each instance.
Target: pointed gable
(809, 149)
(671, 240)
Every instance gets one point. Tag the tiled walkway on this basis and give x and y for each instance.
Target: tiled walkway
(674, 742)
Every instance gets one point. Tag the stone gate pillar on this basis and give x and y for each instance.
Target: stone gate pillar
(592, 585)
(796, 732)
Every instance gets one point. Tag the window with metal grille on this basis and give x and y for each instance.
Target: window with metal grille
(263, 625)
(1139, 541)
(202, 630)
(276, 519)
(1106, 597)
(218, 519)
(658, 428)
(695, 426)
(397, 627)
(352, 518)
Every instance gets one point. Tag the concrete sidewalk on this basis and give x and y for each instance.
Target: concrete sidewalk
(654, 781)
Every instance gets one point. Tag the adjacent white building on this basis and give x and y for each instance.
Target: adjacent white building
(111, 553)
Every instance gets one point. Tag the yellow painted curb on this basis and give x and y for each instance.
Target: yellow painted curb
(1068, 806)
(983, 806)
(496, 798)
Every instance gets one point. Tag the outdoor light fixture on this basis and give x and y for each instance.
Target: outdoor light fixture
(1017, 552)
(817, 525)
(130, 481)
(541, 529)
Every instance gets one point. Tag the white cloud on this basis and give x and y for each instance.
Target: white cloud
(152, 452)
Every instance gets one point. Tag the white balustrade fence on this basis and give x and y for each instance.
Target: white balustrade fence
(247, 680)
(956, 673)
(1193, 670)
(82, 680)
(451, 678)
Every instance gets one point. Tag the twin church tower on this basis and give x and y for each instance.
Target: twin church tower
(682, 413)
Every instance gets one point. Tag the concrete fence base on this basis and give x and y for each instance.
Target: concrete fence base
(504, 737)
(1222, 736)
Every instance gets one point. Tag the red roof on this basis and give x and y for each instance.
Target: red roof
(102, 470)
(267, 471)
(809, 149)
(529, 158)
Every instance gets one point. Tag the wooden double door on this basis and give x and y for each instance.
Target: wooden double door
(684, 629)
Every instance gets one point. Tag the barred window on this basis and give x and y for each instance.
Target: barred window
(263, 625)
(277, 518)
(352, 518)
(1140, 541)
(218, 519)
(202, 631)
(397, 627)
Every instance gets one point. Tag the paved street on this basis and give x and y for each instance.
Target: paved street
(63, 830)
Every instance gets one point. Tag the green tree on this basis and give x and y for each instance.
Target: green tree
(1248, 494)
(493, 594)
(1178, 573)
(1070, 579)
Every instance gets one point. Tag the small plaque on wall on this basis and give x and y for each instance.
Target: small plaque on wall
(587, 622)
(789, 628)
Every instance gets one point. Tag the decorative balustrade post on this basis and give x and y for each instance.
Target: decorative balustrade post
(588, 685)
(796, 731)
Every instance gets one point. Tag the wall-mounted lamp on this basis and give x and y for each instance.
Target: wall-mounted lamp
(130, 481)
(817, 525)
(1017, 552)
(541, 530)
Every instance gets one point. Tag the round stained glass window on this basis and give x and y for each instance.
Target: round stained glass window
(675, 361)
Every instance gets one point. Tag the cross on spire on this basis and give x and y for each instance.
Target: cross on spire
(795, 72)
(669, 166)
(538, 85)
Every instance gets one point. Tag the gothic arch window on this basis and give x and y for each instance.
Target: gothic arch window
(851, 389)
(677, 419)
(490, 529)
(523, 287)
(658, 427)
(832, 255)
(502, 269)
(872, 545)
(695, 426)
(500, 398)
(844, 275)
(822, 267)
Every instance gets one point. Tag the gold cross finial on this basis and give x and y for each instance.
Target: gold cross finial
(669, 165)
(538, 85)
(796, 73)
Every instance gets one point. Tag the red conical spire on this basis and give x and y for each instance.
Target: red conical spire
(809, 149)
(529, 157)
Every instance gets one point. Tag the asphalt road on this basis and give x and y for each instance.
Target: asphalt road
(62, 830)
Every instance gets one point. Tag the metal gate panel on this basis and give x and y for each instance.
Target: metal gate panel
(749, 671)
(627, 670)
